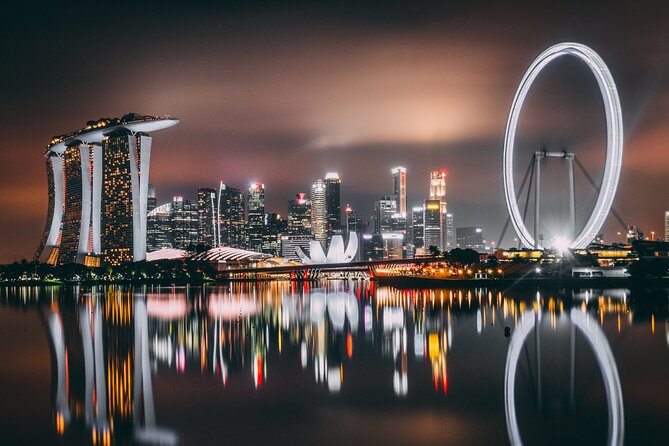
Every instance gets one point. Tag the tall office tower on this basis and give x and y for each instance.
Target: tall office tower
(432, 220)
(470, 238)
(98, 192)
(319, 224)
(151, 202)
(72, 215)
(275, 228)
(299, 216)
(400, 189)
(354, 224)
(255, 221)
(418, 226)
(353, 221)
(373, 247)
(393, 245)
(207, 217)
(231, 220)
(384, 210)
(159, 228)
(449, 232)
(438, 192)
(438, 185)
(333, 203)
(185, 224)
(666, 226)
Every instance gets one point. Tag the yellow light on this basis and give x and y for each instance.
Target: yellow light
(433, 345)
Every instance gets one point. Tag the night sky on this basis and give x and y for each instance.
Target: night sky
(282, 93)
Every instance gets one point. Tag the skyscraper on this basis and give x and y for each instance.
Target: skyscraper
(354, 225)
(319, 212)
(185, 224)
(432, 221)
(449, 233)
(275, 228)
(98, 191)
(418, 226)
(255, 222)
(384, 210)
(207, 217)
(438, 192)
(333, 203)
(159, 228)
(151, 202)
(666, 226)
(438, 184)
(299, 216)
(400, 189)
(231, 219)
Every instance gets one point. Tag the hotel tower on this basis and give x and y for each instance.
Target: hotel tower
(98, 181)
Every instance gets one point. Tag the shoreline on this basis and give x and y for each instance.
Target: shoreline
(399, 282)
(532, 282)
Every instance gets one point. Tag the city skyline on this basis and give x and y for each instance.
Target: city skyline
(436, 94)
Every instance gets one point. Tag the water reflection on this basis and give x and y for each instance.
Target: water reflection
(108, 344)
(578, 318)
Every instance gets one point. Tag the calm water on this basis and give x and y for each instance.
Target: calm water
(339, 363)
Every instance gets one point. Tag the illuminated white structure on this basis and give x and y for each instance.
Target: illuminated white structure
(98, 191)
(400, 189)
(336, 252)
(614, 141)
(319, 214)
(438, 192)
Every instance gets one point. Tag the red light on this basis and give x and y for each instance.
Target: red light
(259, 368)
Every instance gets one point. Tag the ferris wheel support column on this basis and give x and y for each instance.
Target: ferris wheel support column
(572, 197)
(537, 196)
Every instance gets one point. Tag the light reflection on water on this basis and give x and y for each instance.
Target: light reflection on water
(530, 367)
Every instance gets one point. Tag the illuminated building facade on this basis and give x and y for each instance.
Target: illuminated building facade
(432, 221)
(231, 222)
(666, 226)
(354, 224)
(400, 189)
(159, 228)
(207, 217)
(98, 192)
(71, 226)
(255, 223)
(449, 232)
(275, 227)
(319, 215)
(470, 238)
(384, 210)
(418, 226)
(333, 203)
(185, 224)
(438, 192)
(299, 216)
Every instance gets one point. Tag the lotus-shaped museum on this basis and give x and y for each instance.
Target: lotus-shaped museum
(336, 252)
